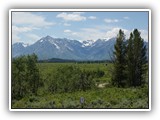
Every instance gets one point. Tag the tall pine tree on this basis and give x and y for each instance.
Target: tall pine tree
(136, 59)
(139, 58)
(130, 67)
(119, 77)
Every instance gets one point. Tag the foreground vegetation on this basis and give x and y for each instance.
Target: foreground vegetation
(109, 97)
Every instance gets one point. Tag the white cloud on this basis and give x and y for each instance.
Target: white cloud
(126, 17)
(92, 17)
(111, 20)
(114, 32)
(27, 18)
(75, 16)
(66, 24)
(67, 31)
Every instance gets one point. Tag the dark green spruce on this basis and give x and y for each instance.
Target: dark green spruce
(136, 59)
(119, 77)
(130, 61)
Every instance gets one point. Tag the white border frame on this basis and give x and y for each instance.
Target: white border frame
(74, 10)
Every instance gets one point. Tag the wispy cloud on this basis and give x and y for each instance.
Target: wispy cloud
(75, 16)
(111, 20)
(92, 17)
(27, 18)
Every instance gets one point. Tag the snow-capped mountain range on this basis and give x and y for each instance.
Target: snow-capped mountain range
(48, 47)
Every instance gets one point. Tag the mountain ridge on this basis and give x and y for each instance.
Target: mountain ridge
(63, 48)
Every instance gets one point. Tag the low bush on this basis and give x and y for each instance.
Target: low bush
(71, 79)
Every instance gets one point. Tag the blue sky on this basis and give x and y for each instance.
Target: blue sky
(28, 27)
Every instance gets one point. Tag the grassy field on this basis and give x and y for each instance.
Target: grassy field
(47, 68)
(105, 96)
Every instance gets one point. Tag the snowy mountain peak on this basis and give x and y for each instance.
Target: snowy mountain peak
(50, 40)
(87, 43)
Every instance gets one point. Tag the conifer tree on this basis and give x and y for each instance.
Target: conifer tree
(118, 77)
(139, 59)
(135, 59)
(129, 61)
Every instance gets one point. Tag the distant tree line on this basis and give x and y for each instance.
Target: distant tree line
(130, 60)
(58, 60)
